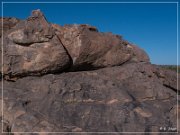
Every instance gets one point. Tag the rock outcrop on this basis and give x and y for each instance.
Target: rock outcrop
(32, 48)
(90, 49)
(73, 78)
(35, 47)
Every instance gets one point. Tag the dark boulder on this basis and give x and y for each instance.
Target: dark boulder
(127, 98)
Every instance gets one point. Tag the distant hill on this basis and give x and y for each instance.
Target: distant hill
(171, 67)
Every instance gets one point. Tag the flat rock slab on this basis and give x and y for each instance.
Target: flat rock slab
(128, 98)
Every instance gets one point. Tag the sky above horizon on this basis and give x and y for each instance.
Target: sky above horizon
(152, 26)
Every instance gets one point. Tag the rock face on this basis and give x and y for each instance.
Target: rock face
(90, 49)
(8, 23)
(32, 48)
(113, 88)
(35, 47)
(126, 98)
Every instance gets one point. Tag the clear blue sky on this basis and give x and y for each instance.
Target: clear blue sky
(153, 27)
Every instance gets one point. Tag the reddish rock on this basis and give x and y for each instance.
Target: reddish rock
(138, 54)
(32, 48)
(91, 49)
(8, 23)
(127, 95)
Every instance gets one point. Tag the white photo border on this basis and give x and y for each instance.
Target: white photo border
(2, 3)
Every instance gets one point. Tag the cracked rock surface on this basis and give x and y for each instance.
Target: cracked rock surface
(32, 48)
(113, 86)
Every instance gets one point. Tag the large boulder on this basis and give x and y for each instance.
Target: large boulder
(32, 48)
(127, 98)
(35, 47)
(90, 49)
